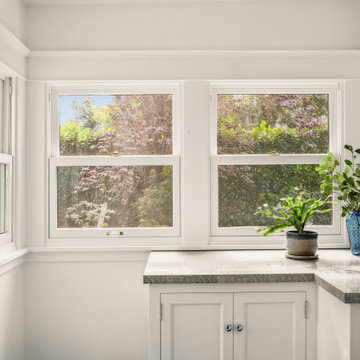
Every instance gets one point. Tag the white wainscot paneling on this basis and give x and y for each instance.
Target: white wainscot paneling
(12, 314)
(81, 308)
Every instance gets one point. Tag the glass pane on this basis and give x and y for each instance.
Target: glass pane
(284, 123)
(114, 196)
(117, 124)
(2, 198)
(242, 189)
(2, 113)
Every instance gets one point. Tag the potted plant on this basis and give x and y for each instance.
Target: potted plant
(346, 185)
(296, 211)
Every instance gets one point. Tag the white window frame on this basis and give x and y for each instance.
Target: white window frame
(248, 235)
(55, 160)
(6, 157)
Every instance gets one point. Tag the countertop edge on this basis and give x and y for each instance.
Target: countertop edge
(347, 298)
(226, 278)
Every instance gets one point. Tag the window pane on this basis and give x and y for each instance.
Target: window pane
(120, 124)
(114, 196)
(284, 123)
(2, 198)
(2, 116)
(242, 189)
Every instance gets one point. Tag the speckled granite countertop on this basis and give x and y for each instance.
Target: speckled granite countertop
(337, 271)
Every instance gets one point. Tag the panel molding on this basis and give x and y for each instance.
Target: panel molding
(119, 2)
(193, 65)
(74, 54)
(89, 254)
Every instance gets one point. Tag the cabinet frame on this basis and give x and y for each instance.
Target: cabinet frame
(156, 290)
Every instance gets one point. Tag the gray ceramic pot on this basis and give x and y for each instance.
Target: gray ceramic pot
(304, 244)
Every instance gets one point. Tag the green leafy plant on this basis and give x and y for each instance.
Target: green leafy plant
(296, 210)
(345, 184)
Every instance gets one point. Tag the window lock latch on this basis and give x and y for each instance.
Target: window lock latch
(114, 233)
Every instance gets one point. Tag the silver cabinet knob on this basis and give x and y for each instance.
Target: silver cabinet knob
(228, 328)
(239, 328)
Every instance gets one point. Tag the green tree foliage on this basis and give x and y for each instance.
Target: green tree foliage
(141, 196)
(117, 196)
(157, 198)
(260, 124)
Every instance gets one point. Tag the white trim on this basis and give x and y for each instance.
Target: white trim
(132, 2)
(144, 236)
(6, 158)
(85, 254)
(264, 159)
(190, 53)
(193, 65)
(243, 234)
(325, 241)
(57, 89)
(55, 232)
(5, 238)
(123, 160)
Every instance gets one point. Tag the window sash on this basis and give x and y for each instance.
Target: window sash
(7, 161)
(55, 160)
(6, 140)
(239, 234)
(6, 116)
(123, 89)
(329, 88)
(149, 160)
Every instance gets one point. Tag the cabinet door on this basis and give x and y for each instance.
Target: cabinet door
(273, 326)
(193, 326)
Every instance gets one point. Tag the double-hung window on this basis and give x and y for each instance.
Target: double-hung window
(266, 139)
(5, 160)
(114, 165)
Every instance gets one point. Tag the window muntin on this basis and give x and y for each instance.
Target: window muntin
(251, 135)
(124, 146)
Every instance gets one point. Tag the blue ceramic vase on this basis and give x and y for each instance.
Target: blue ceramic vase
(353, 227)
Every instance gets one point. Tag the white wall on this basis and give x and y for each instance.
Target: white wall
(12, 63)
(92, 310)
(12, 271)
(240, 25)
(97, 309)
(12, 314)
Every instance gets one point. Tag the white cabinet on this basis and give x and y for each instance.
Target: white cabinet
(192, 326)
(248, 325)
(273, 326)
